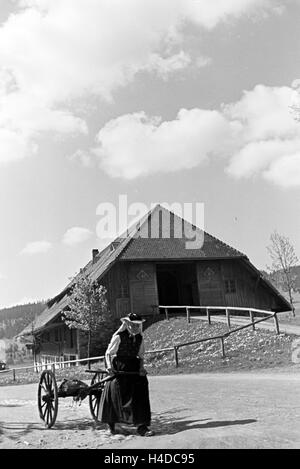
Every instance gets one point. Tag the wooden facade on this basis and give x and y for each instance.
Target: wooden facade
(140, 287)
(57, 343)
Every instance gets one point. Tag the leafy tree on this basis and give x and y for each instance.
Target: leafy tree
(284, 259)
(87, 308)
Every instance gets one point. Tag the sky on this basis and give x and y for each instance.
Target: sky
(175, 101)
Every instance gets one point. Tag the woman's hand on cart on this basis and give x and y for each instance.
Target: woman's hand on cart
(110, 371)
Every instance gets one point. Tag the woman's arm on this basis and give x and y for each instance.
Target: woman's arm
(111, 352)
(141, 357)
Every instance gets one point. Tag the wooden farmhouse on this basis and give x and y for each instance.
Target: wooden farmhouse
(150, 267)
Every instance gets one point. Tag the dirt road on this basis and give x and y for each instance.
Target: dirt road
(234, 410)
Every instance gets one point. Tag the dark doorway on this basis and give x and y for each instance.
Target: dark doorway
(177, 284)
(167, 287)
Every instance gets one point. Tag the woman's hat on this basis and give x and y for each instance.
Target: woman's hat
(134, 318)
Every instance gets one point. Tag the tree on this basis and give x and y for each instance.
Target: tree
(87, 308)
(284, 259)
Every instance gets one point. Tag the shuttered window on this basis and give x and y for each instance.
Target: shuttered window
(230, 286)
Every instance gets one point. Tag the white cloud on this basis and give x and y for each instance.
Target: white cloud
(256, 157)
(209, 13)
(84, 157)
(265, 114)
(165, 66)
(36, 247)
(76, 235)
(53, 51)
(14, 145)
(258, 134)
(270, 141)
(134, 144)
(285, 171)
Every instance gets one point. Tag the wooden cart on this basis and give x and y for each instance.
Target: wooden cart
(49, 393)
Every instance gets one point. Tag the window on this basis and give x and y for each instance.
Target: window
(230, 286)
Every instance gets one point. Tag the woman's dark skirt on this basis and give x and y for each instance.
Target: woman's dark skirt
(125, 399)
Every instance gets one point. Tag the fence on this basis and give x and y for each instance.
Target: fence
(209, 310)
(39, 367)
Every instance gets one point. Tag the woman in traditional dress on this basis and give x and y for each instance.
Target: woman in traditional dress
(125, 398)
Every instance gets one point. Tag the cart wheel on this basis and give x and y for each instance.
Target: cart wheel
(48, 398)
(95, 396)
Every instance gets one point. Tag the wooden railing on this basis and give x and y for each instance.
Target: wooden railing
(38, 367)
(209, 312)
(227, 309)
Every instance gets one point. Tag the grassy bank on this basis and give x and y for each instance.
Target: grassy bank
(245, 349)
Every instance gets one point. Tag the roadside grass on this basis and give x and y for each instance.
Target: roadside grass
(245, 350)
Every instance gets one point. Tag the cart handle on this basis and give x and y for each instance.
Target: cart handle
(110, 377)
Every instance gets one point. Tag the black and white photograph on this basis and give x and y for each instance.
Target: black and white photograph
(149, 228)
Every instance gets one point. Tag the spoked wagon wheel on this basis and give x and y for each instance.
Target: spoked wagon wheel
(48, 398)
(95, 395)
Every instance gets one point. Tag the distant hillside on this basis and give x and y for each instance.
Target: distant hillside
(16, 318)
(296, 272)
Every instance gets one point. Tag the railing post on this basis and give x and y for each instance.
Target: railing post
(176, 356)
(14, 374)
(252, 319)
(228, 317)
(222, 347)
(188, 316)
(208, 315)
(276, 324)
(167, 314)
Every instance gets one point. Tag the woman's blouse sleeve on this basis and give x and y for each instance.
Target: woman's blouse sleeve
(142, 349)
(112, 350)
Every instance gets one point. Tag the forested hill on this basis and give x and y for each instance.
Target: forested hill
(16, 318)
(295, 272)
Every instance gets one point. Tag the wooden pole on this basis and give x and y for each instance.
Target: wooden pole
(276, 324)
(188, 316)
(167, 314)
(53, 368)
(252, 319)
(208, 315)
(14, 374)
(176, 356)
(222, 348)
(228, 318)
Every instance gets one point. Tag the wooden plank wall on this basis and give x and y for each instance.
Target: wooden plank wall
(210, 283)
(250, 291)
(143, 287)
(117, 285)
(51, 346)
